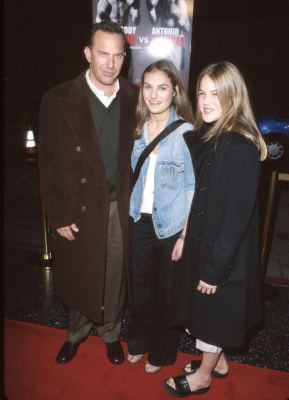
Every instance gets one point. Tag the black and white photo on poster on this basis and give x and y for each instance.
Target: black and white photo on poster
(154, 29)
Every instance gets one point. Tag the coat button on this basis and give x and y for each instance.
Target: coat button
(209, 163)
(199, 237)
(78, 148)
(200, 213)
(203, 188)
(83, 208)
(83, 180)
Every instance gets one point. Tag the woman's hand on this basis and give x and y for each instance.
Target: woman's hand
(206, 288)
(178, 250)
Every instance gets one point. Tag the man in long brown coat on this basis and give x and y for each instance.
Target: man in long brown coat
(85, 142)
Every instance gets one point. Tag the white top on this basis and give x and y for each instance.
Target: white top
(106, 101)
(148, 193)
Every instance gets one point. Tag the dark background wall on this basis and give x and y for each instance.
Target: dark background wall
(44, 41)
(252, 34)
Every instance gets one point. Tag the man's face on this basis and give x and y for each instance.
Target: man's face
(105, 56)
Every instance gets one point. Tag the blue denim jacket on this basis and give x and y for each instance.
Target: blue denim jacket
(174, 181)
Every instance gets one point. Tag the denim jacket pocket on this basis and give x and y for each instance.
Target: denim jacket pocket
(171, 174)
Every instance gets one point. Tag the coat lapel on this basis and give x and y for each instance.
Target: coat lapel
(76, 110)
(126, 125)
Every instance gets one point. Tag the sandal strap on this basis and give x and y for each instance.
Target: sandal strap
(182, 385)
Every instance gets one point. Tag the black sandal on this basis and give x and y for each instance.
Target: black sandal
(182, 387)
(195, 364)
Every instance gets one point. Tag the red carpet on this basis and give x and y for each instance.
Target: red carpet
(31, 373)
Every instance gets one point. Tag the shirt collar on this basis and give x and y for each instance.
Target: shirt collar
(100, 93)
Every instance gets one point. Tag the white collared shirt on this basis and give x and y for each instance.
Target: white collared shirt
(106, 101)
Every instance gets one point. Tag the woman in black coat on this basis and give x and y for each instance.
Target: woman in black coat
(219, 297)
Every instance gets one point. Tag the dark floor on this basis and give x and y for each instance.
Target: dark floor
(30, 290)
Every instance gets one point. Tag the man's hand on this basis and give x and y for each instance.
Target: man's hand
(206, 288)
(67, 231)
(178, 250)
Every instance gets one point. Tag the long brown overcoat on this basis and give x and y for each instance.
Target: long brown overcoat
(222, 243)
(75, 190)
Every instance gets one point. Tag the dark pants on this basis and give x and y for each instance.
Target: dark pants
(114, 297)
(154, 276)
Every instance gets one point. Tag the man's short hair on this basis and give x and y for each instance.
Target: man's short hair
(107, 26)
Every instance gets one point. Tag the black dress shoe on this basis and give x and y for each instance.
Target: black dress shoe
(114, 352)
(67, 352)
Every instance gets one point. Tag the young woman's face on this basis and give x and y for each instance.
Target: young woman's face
(208, 100)
(158, 93)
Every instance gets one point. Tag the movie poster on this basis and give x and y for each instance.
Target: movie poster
(154, 29)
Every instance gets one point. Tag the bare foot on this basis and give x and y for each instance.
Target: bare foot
(221, 367)
(151, 369)
(134, 359)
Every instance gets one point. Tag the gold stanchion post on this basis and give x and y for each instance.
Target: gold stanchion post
(46, 256)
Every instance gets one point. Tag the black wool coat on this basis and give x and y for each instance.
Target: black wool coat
(75, 190)
(222, 243)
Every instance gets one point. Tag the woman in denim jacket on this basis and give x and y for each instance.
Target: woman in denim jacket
(159, 207)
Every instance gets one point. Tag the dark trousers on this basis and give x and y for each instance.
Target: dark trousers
(154, 276)
(114, 297)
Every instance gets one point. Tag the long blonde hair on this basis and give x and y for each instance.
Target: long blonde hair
(237, 114)
(180, 100)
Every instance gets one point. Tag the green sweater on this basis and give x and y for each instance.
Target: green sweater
(106, 122)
